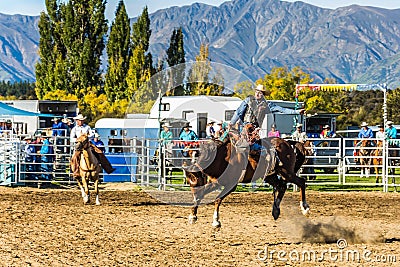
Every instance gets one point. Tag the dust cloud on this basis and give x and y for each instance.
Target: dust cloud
(330, 230)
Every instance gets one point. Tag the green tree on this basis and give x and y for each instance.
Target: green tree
(71, 43)
(198, 81)
(118, 52)
(140, 66)
(176, 59)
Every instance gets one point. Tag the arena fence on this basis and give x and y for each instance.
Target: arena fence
(334, 161)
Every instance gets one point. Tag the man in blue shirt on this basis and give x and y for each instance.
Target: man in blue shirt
(187, 135)
(391, 132)
(365, 131)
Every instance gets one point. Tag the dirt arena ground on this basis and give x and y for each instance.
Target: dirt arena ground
(51, 227)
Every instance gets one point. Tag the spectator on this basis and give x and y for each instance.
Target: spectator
(380, 134)
(82, 128)
(187, 134)
(46, 157)
(210, 131)
(166, 137)
(7, 128)
(365, 131)
(30, 158)
(274, 132)
(299, 135)
(222, 133)
(98, 143)
(391, 132)
(58, 130)
(326, 132)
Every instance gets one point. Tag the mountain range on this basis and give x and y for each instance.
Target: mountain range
(353, 44)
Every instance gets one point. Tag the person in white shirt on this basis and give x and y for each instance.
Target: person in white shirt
(299, 135)
(82, 128)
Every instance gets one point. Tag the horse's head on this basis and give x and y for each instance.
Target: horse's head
(82, 142)
(211, 160)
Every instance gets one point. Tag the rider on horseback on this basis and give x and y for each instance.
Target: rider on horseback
(78, 130)
(251, 113)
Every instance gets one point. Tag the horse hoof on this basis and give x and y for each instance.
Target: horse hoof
(276, 212)
(216, 224)
(192, 219)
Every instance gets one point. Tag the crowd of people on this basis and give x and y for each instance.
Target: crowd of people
(40, 152)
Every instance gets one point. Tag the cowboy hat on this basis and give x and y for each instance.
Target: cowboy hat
(389, 122)
(364, 124)
(66, 120)
(96, 135)
(326, 126)
(273, 125)
(166, 125)
(8, 121)
(80, 117)
(55, 119)
(380, 125)
(187, 125)
(299, 125)
(260, 87)
(28, 137)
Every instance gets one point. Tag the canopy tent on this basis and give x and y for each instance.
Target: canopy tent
(7, 111)
(346, 87)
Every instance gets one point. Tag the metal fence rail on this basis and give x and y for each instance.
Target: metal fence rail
(147, 163)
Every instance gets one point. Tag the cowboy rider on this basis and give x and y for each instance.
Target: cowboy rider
(82, 128)
(253, 109)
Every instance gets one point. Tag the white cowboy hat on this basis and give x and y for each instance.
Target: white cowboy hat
(260, 87)
(28, 137)
(80, 117)
(96, 135)
(66, 120)
(55, 119)
(364, 124)
(299, 125)
(326, 126)
(389, 122)
(166, 125)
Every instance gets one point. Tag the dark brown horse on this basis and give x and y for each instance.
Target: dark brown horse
(222, 165)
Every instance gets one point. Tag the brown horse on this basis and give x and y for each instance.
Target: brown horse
(226, 164)
(89, 168)
(377, 158)
(365, 156)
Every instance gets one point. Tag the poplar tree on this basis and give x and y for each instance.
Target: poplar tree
(71, 43)
(118, 52)
(199, 73)
(176, 59)
(140, 65)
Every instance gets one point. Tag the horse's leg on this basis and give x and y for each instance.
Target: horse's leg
(96, 189)
(225, 192)
(301, 183)
(86, 197)
(280, 186)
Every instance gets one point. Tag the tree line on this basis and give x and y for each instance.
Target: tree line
(75, 34)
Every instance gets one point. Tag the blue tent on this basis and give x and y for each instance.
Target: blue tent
(6, 111)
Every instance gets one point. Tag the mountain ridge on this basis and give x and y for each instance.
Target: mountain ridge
(349, 44)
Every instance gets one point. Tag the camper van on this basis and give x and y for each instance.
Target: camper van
(197, 110)
(29, 124)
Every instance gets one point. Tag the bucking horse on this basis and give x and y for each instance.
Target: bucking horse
(223, 165)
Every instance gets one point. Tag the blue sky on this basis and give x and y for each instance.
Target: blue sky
(135, 7)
